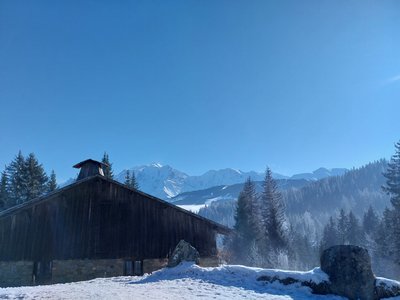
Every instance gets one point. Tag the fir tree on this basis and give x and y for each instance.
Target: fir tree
(127, 178)
(243, 245)
(355, 234)
(35, 179)
(130, 180)
(52, 184)
(392, 174)
(25, 179)
(342, 227)
(244, 210)
(4, 195)
(134, 183)
(384, 236)
(16, 172)
(370, 221)
(384, 249)
(303, 255)
(273, 214)
(392, 188)
(330, 235)
(108, 172)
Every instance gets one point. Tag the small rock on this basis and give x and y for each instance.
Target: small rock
(183, 252)
(322, 288)
(386, 289)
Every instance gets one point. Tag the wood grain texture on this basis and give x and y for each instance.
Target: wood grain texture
(98, 218)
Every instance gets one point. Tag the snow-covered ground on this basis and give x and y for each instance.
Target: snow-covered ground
(196, 207)
(186, 281)
(193, 208)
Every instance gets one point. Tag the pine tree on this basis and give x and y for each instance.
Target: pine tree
(273, 213)
(342, 227)
(127, 178)
(16, 172)
(392, 174)
(354, 232)
(35, 179)
(384, 236)
(330, 235)
(243, 245)
(108, 172)
(392, 188)
(245, 208)
(25, 179)
(303, 255)
(384, 250)
(370, 221)
(52, 184)
(130, 180)
(4, 195)
(134, 184)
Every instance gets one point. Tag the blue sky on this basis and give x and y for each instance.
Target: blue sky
(200, 84)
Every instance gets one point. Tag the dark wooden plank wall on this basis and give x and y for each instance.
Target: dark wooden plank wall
(100, 219)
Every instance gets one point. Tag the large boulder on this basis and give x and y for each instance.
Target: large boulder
(349, 270)
(183, 252)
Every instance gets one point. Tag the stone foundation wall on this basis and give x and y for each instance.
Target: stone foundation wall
(209, 261)
(19, 273)
(151, 265)
(15, 273)
(78, 270)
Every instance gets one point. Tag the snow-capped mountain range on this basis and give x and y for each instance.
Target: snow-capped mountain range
(165, 182)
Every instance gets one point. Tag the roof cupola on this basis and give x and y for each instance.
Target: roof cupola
(90, 168)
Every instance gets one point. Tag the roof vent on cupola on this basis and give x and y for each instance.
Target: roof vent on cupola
(90, 168)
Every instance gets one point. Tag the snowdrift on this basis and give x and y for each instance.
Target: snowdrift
(186, 281)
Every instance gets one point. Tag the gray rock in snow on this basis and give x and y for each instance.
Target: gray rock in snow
(349, 270)
(183, 252)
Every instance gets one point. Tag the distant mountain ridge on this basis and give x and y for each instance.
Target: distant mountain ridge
(316, 201)
(229, 192)
(320, 173)
(166, 182)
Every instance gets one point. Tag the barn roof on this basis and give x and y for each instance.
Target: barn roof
(15, 209)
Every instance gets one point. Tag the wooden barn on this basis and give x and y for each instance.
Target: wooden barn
(96, 227)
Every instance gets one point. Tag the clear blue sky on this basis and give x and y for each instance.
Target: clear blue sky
(200, 84)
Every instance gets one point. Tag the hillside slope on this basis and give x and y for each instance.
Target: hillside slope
(229, 192)
(313, 203)
(355, 190)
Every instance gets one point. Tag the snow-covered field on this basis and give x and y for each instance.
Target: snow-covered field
(193, 208)
(186, 281)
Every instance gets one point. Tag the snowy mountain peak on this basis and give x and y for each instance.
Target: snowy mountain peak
(157, 165)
